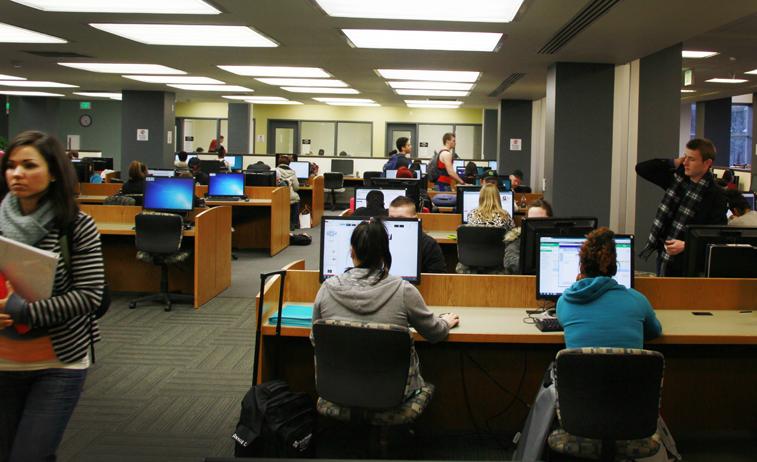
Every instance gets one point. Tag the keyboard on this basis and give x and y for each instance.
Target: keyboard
(548, 325)
(223, 198)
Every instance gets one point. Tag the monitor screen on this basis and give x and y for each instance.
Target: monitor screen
(423, 168)
(459, 164)
(389, 195)
(189, 156)
(101, 163)
(404, 236)
(302, 169)
(344, 166)
(700, 237)
(226, 184)
(235, 162)
(161, 172)
(169, 194)
(749, 196)
(531, 228)
(260, 179)
(558, 263)
(468, 200)
(493, 164)
(391, 174)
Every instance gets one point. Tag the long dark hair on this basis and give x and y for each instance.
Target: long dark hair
(370, 242)
(60, 192)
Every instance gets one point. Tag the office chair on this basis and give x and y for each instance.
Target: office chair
(118, 199)
(608, 403)
(363, 370)
(368, 176)
(158, 241)
(333, 182)
(481, 248)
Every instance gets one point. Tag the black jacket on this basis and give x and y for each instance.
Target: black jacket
(369, 212)
(201, 178)
(710, 211)
(432, 259)
(133, 187)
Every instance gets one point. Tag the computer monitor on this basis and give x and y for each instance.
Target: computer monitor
(531, 228)
(467, 200)
(211, 166)
(84, 171)
(161, 172)
(260, 179)
(389, 195)
(390, 174)
(344, 166)
(700, 237)
(189, 156)
(458, 164)
(302, 169)
(558, 263)
(101, 163)
(235, 162)
(423, 168)
(169, 194)
(749, 196)
(492, 164)
(226, 184)
(404, 236)
(731, 261)
(411, 185)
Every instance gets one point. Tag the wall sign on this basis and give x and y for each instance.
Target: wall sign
(516, 144)
(143, 134)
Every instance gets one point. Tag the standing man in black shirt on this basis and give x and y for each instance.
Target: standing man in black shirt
(432, 259)
(691, 198)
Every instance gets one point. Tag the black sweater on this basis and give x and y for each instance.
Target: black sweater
(710, 211)
(432, 259)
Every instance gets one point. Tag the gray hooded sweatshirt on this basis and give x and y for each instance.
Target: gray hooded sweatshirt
(391, 300)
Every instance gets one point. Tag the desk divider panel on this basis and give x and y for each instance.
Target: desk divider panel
(440, 221)
(111, 213)
(279, 221)
(213, 267)
(99, 189)
(317, 200)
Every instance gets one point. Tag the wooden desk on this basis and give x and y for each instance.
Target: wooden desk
(89, 199)
(98, 189)
(711, 361)
(440, 226)
(353, 181)
(312, 196)
(204, 276)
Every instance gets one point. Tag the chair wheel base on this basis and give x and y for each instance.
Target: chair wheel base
(132, 305)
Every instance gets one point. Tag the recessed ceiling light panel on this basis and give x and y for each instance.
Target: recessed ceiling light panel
(497, 11)
(35, 84)
(277, 71)
(28, 93)
(188, 35)
(431, 102)
(687, 91)
(228, 88)
(406, 92)
(344, 100)
(13, 34)
(439, 106)
(124, 68)
(122, 6)
(436, 76)
(283, 82)
(432, 85)
(753, 72)
(717, 80)
(342, 91)
(355, 104)
(257, 98)
(693, 54)
(423, 40)
(100, 94)
(285, 102)
(186, 79)
(10, 77)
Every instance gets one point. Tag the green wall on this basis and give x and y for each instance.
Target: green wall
(103, 135)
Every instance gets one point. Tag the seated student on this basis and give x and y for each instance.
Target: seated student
(536, 209)
(471, 173)
(404, 172)
(432, 258)
(489, 211)
(416, 165)
(194, 168)
(288, 177)
(136, 182)
(490, 177)
(516, 179)
(374, 205)
(367, 292)
(224, 163)
(742, 215)
(596, 311)
(181, 164)
(258, 167)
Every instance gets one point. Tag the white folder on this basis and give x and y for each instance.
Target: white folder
(29, 269)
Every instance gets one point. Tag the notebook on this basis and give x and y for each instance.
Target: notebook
(294, 316)
(29, 269)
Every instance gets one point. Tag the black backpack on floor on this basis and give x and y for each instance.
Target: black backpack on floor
(275, 422)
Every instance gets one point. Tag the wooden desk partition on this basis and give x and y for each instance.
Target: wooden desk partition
(312, 196)
(447, 222)
(99, 189)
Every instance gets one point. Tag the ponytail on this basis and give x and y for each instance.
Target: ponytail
(370, 242)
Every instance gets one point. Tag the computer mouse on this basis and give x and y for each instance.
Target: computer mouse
(552, 312)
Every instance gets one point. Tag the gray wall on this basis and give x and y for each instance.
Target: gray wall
(239, 128)
(33, 113)
(515, 122)
(658, 132)
(103, 135)
(489, 136)
(578, 146)
(4, 119)
(716, 116)
(155, 111)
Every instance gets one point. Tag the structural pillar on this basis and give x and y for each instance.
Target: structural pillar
(4, 115)
(715, 118)
(148, 131)
(515, 124)
(240, 128)
(33, 113)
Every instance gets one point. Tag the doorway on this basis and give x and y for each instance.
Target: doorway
(395, 131)
(283, 137)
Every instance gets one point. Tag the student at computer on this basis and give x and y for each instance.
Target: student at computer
(489, 211)
(536, 209)
(44, 353)
(374, 205)
(432, 258)
(136, 182)
(471, 173)
(367, 292)
(199, 176)
(742, 214)
(288, 177)
(596, 311)
(181, 163)
(404, 172)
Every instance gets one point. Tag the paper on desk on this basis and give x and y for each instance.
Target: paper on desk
(29, 269)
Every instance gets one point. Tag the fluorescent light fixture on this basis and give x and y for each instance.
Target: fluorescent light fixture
(229, 88)
(257, 98)
(100, 94)
(28, 93)
(687, 91)
(432, 102)
(344, 100)
(273, 102)
(692, 54)
(121, 6)
(341, 91)
(124, 68)
(10, 77)
(188, 34)
(436, 76)
(753, 72)
(498, 11)
(13, 34)
(406, 92)
(238, 97)
(726, 80)
(423, 40)
(432, 85)
(277, 71)
(355, 104)
(35, 84)
(186, 79)
(437, 106)
(302, 82)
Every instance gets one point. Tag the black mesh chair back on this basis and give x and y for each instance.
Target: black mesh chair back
(333, 180)
(158, 233)
(367, 176)
(118, 199)
(480, 246)
(361, 367)
(609, 396)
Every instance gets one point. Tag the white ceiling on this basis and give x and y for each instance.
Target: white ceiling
(308, 37)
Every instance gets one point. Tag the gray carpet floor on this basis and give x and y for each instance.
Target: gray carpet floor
(167, 386)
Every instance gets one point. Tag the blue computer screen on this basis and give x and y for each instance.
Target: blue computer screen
(226, 184)
(170, 194)
(235, 162)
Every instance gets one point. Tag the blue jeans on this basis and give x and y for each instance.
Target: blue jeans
(35, 408)
(443, 187)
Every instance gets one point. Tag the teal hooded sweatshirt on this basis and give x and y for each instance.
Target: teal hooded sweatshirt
(599, 312)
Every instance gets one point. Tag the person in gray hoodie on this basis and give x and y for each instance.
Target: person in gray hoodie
(369, 293)
(288, 177)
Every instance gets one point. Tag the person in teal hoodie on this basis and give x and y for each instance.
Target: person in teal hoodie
(596, 311)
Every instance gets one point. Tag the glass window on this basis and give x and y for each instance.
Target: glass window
(432, 134)
(321, 136)
(741, 134)
(355, 138)
(468, 139)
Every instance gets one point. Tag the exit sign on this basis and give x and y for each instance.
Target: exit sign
(85, 105)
